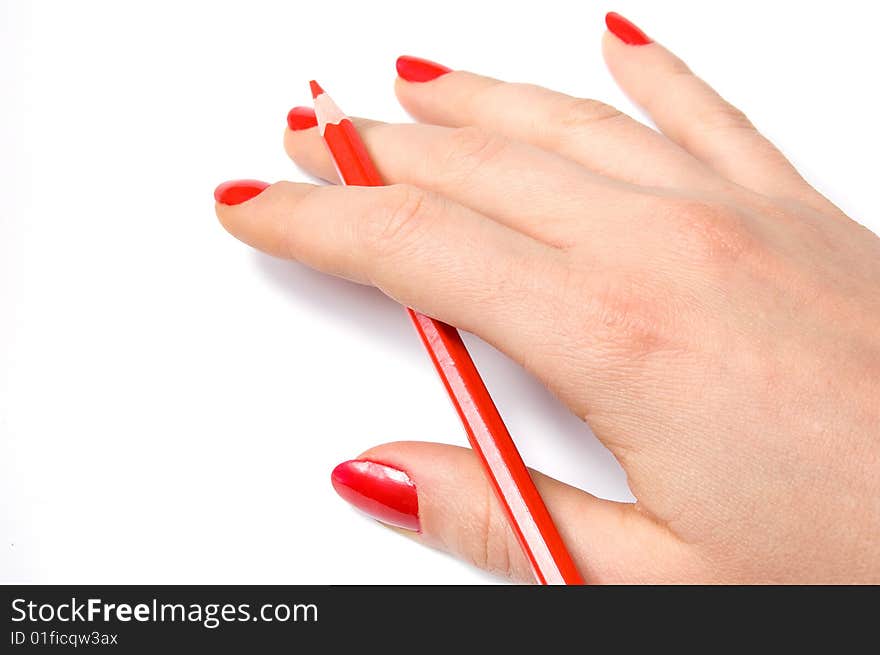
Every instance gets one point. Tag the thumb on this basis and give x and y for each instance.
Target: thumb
(439, 495)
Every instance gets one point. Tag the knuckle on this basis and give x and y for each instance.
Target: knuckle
(634, 316)
(617, 321)
(677, 68)
(469, 148)
(586, 112)
(724, 116)
(393, 224)
(528, 92)
(527, 89)
(496, 551)
(486, 93)
(708, 231)
(283, 188)
(286, 199)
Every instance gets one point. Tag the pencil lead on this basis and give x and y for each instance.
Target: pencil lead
(316, 89)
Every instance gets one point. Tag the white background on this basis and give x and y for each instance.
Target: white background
(172, 402)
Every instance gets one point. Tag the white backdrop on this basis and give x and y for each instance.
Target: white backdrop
(172, 402)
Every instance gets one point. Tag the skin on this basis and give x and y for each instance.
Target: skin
(713, 318)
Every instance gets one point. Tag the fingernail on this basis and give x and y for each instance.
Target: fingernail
(236, 192)
(625, 30)
(381, 491)
(414, 69)
(301, 118)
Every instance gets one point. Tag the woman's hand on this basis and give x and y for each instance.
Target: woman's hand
(713, 318)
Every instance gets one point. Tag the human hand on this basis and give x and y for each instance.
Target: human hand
(713, 318)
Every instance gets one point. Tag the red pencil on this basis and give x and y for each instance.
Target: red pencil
(487, 434)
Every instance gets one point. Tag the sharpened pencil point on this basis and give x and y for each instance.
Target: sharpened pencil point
(316, 89)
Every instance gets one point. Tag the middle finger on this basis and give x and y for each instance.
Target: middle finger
(536, 192)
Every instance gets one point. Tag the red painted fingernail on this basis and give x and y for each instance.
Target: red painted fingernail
(236, 192)
(301, 118)
(625, 30)
(384, 492)
(414, 69)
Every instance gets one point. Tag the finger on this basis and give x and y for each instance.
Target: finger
(439, 495)
(532, 190)
(591, 133)
(306, 147)
(425, 251)
(695, 116)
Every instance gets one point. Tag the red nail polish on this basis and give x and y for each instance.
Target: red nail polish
(236, 192)
(625, 30)
(384, 492)
(414, 69)
(301, 118)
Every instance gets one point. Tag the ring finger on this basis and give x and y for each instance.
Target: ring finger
(589, 132)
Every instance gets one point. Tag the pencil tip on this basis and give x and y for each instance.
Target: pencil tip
(316, 89)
